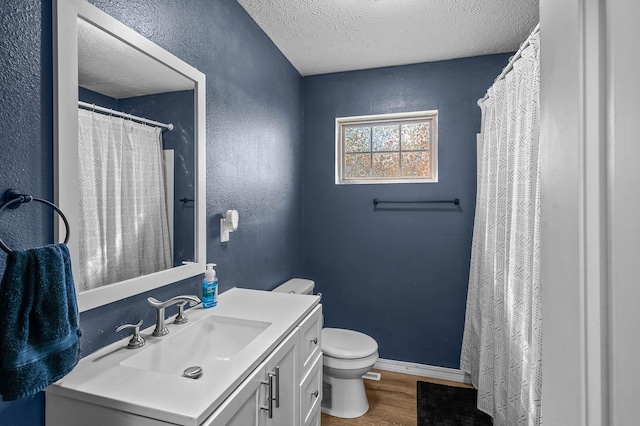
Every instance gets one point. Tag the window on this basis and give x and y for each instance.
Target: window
(390, 148)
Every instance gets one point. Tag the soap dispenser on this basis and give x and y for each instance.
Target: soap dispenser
(210, 287)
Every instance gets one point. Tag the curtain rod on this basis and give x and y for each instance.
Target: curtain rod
(124, 115)
(513, 59)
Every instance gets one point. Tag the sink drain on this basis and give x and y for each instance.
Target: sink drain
(194, 372)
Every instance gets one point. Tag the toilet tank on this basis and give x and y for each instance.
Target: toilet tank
(297, 286)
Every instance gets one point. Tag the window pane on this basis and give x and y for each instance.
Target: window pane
(357, 139)
(387, 148)
(386, 138)
(415, 136)
(357, 166)
(386, 165)
(415, 164)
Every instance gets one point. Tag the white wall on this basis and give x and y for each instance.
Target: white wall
(590, 235)
(623, 35)
(560, 237)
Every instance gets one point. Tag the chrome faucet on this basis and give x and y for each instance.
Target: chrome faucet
(161, 329)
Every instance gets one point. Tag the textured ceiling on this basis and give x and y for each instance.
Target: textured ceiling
(113, 68)
(322, 36)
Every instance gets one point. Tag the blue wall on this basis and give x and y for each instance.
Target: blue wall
(89, 96)
(397, 274)
(254, 146)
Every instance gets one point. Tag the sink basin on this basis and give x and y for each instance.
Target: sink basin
(209, 343)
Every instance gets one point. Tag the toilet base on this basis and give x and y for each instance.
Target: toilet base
(345, 398)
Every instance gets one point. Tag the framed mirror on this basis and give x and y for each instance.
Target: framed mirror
(129, 129)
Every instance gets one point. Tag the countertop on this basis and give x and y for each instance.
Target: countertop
(100, 378)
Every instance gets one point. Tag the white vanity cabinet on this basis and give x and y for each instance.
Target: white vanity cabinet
(311, 395)
(269, 396)
(281, 368)
(310, 367)
(242, 408)
(296, 390)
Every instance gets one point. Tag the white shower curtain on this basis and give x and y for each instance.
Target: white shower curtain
(501, 347)
(124, 231)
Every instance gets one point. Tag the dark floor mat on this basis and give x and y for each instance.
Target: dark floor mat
(443, 405)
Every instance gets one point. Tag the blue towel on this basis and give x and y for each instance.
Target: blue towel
(39, 333)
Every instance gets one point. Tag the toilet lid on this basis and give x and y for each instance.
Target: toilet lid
(347, 344)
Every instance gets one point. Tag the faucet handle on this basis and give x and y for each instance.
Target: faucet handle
(136, 340)
(181, 318)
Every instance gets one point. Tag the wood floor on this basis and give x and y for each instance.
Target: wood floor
(392, 401)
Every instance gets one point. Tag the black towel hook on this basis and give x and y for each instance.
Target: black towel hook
(13, 200)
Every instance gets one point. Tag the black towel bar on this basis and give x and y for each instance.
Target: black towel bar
(13, 200)
(455, 201)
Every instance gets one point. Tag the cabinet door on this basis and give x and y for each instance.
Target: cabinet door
(310, 336)
(282, 364)
(242, 406)
(311, 393)
(63, 411)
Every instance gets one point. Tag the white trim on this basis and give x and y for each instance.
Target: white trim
(576, 247)
(621, 290)
(422, 370)
(169, 175)
(390, 117)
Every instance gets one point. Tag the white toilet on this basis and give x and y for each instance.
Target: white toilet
(347, 356)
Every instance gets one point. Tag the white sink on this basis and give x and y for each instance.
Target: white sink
(228, 342)
(210, 343)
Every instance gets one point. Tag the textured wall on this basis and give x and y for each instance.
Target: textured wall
(399, 274)
(89, 96)
(26, 151)
(411, 266)
(254, 146)
(254, 132)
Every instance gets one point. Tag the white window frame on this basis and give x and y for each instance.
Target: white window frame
(343, 122)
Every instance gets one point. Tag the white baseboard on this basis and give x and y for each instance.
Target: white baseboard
(442, 373)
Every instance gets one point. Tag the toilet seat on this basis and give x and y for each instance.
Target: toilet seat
(350, 364)
(347, 344)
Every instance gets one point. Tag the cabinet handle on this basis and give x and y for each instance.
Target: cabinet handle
(314, 340)
(136, 341)
(315, 393)
(269, 406)
(275, 376)
(277, 387)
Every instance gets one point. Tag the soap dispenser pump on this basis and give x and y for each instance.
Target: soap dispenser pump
(210, 287)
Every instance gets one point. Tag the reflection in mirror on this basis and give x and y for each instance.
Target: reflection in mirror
(138, 192)
(126, 164)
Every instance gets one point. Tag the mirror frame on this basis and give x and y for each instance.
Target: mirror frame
(65, 129)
